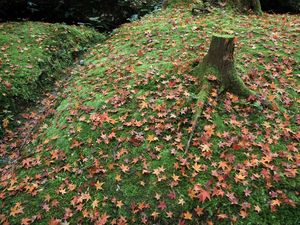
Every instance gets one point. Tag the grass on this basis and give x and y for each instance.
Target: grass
(33, 55)
(114, 149)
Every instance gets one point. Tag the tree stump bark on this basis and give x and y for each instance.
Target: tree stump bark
(244, 5)
(219, 62)
(220, 57)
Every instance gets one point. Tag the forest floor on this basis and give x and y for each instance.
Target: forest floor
(110, 148)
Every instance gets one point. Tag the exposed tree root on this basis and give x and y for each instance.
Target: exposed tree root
(201, 99)
(218, 62)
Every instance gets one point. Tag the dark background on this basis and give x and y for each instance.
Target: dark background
(102, 14)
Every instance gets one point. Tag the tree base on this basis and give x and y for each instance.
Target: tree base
(218, 62)
(221, 59)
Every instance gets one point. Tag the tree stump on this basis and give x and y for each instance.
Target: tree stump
(219, 62)
(220, 57)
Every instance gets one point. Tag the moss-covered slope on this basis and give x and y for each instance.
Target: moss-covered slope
(33, 55)
(113, 153)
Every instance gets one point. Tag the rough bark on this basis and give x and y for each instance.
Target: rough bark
(245, 5)
(219, 62)
(256, 7)
(220, 56)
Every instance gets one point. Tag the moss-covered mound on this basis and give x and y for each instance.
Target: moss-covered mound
(113, 153)
(33, 55)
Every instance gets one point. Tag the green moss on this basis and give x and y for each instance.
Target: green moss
(34, 56)
(152, 106)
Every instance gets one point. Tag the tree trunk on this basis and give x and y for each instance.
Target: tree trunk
(219, 62)
(256, 7)
(220, 57)
(245, 5)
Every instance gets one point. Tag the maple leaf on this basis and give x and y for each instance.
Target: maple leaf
(257, 208)
(222, 216)
(247, 192)
(175, 178)
(275, 202)
(243, 214)
(55, 203)
(130, 68)
(27, 162)
(209, 129)
(203, 195)
(17, 209)
(72, 187)
(75, 144)
(124, 168)
(67, 167)
(197, 167)
(157, 196)
(103, 219)
(25, 221)
(119, 204)
(236, 147)
(118, 177)
(154, 214)
(199, 211)
(172, 195)
(99, 185)
(290, 172)
(162, 205)
(68, 213)
(239, 177)
(62, 191)
(232, 198)
(211, 77)
(187, 216)
(181, 201)
(7, 84)
(5, 123)
(95, 204)
(2, 218)
(151, 138)
(158, 170)
(144, 105)
(55, 154)
(54, 221)
(46, 207)
(223, 165)
(169, 214)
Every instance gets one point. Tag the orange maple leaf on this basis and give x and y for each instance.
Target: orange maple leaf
(187, 216)
(124, 168)
(17, 209)
(99, 185)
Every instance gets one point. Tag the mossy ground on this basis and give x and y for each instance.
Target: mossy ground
(32, 56)
(114, 149)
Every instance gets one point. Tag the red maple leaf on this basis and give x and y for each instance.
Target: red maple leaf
(204, 195)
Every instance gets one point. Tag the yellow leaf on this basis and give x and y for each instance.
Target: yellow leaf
(5, 123)
(98, 185)
(95, 204)
(187, 216)
(152, 138)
